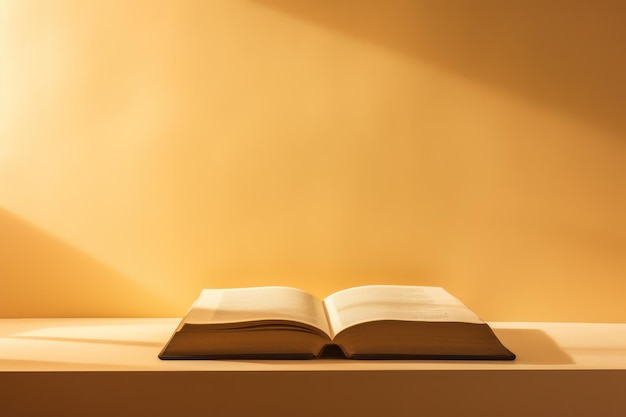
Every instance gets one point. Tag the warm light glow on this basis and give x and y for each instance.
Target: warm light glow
(74, 344)
(149, 151)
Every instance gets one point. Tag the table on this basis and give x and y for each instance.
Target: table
(103, 367)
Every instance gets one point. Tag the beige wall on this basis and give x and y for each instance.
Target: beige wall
(149, 149)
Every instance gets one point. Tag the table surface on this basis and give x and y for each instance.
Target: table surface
(132, 344)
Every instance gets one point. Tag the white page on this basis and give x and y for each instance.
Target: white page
(394, 302)
(233, 305)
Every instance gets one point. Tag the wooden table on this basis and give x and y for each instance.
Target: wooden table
(109, 367)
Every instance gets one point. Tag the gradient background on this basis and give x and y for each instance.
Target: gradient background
(149, 149)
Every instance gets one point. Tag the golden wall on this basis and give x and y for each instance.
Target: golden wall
(149, 149)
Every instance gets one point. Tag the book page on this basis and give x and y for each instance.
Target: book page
(236, 305)
(394, 302)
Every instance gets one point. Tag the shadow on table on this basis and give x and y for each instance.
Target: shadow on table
(533, 347)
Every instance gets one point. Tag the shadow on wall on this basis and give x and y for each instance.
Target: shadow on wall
(561, 54)
(43, 276)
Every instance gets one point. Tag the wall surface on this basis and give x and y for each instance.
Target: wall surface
(149, 149)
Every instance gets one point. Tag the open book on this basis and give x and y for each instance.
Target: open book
(368, 322)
